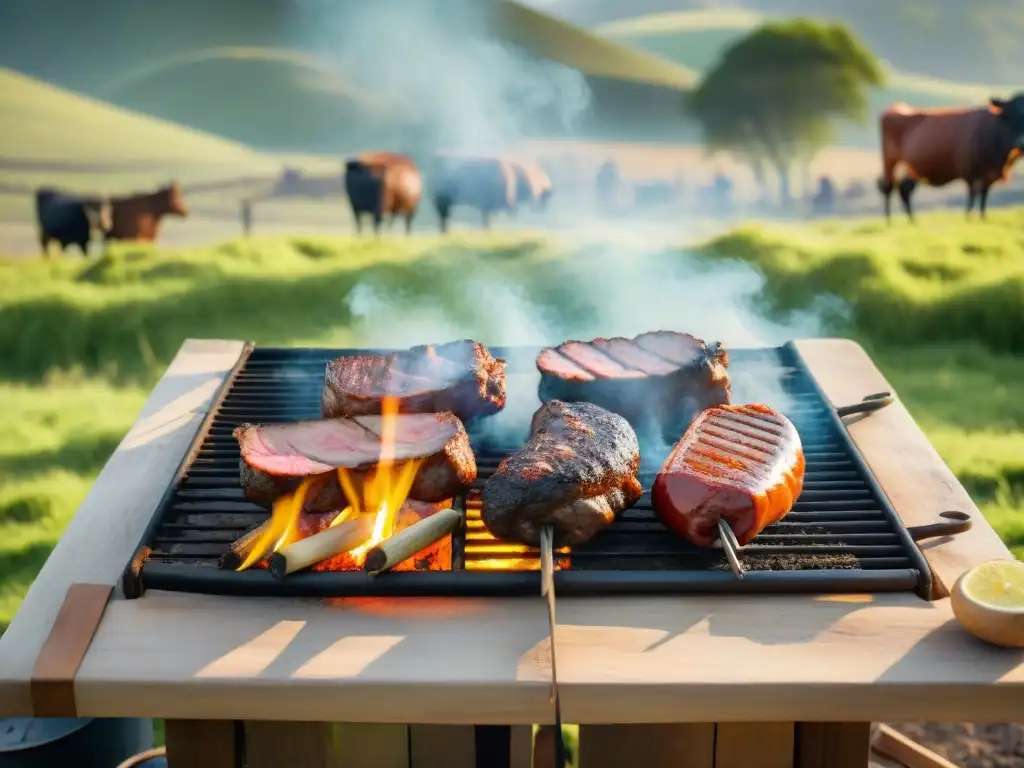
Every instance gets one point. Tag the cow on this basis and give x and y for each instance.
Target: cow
(485, 183)
(137, 217)
(70, 219)
(383, 184)
(937, 146)
(533, 185)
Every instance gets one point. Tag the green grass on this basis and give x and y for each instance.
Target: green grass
(85, 340)
(694, 39)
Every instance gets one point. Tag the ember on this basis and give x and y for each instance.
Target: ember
(378, 507)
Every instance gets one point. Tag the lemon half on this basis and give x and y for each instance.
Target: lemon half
(988, 601)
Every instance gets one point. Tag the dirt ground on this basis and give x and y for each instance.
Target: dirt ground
(997, 745)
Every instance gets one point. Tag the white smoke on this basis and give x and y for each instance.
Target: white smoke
(457, 81)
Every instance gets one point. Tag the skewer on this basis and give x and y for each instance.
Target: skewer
(547, 589)
(730, 545)
(314, 549)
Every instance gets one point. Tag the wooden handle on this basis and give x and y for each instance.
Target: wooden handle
(315, 549)
(905, 751)
(408, 541)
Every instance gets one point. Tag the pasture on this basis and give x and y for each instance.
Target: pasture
(939, 306)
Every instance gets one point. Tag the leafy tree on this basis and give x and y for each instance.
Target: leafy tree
(775, 95)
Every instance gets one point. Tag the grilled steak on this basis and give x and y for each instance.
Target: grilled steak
(460, 376)
(576, 472)
(275, 457)
(741, 462)
(658, 381)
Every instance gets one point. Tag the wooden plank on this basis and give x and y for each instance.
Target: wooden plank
(201, 744)
(442, 746)
(892, 657)
(107, 527)
(743, 745)
(652, 746)
(272, 744)
(907, 466)
(892, 744)
(53, 675)
(521, 752)
(833, 745)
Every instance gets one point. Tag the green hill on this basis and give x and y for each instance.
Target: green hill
(288, 91)
(694, 39)
(52, 136)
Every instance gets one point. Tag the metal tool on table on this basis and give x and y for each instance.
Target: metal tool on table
(547, 589)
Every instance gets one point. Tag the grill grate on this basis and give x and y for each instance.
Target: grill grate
(842, 533)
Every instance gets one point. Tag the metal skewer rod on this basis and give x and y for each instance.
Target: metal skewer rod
(547, 589)
(730, 545)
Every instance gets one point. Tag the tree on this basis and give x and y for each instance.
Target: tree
(775, 95)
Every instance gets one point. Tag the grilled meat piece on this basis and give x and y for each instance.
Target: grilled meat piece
(658, 381)
(743, 463)
(577, 471)
(460, 376)
(275, 457)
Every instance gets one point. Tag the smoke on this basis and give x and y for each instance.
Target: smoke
(456, 83)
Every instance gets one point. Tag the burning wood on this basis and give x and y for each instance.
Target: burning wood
(416, 538)
(335, 539)
(379, 507)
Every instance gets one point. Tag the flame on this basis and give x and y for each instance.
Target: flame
(382, 493)
(282, 528)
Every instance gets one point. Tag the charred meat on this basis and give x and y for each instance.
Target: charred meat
(743, 463)
(577, 471)
(658, 381)
(461, 377)
(275, 457)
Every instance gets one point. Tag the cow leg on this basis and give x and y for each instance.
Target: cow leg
(983, 201)
(408, 223)
(359, 223)
(44, 241)
(972, 192)
(907, 187)
(377, 220)
(84, 245)
(885, 186)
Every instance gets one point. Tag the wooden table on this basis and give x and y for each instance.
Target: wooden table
(697, 682)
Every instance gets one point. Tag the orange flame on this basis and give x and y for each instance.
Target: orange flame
(383, 492)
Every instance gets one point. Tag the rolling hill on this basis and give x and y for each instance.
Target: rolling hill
(50, 135)
(275, 75)
(693, 39)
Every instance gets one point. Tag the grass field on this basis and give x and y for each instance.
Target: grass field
(694, 39)
(939, 306)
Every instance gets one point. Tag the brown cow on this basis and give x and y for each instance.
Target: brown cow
(533, 185)
(383, 184)
(137, 217)
(938, 146)
(484, 183)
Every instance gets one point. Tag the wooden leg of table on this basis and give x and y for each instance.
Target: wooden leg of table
(745, 745)
(833, 745)
(326, 745)
(201, 744)
(521, 748)
(442, 746)
(650, 746)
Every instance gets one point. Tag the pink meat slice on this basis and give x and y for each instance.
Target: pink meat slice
(304, 448)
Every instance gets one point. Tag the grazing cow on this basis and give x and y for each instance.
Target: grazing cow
(70, 219)
(383, 184)
(938, 146)
(487, 184)
(137, 217)
(533, 185)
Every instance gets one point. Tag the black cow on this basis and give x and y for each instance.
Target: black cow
(70, 219)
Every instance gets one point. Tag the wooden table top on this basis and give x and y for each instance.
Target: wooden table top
(657, 659)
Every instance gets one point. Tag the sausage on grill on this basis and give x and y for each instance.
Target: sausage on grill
(743, 463)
